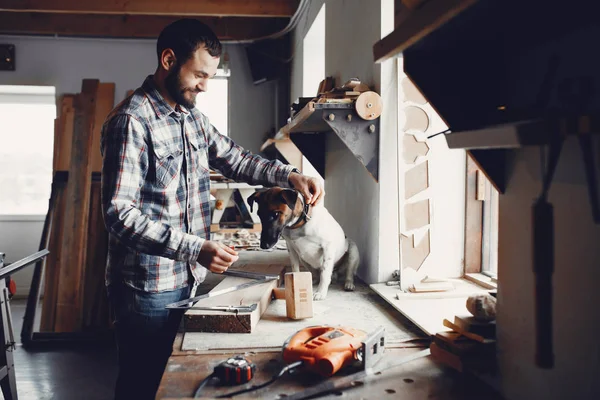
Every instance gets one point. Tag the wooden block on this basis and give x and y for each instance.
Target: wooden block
(446, 357)
(218, 321)
(470, 324)
(463, 332)
(74, 239)
(279, 293)
(298, 295)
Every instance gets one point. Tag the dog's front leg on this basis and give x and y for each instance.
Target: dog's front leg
(325, 281)
(294, 257)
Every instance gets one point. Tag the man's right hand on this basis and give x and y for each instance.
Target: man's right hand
(216, 256)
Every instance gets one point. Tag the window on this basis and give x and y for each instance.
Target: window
(313, 57)
(214, 103)
(489, 239)
(27, 115)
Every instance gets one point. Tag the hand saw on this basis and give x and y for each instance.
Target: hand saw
(258, 279)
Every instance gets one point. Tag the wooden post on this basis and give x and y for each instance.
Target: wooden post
(74, 239)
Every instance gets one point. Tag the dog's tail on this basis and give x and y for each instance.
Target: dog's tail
(349, 263)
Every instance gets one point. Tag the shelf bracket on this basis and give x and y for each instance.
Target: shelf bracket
(359, 135)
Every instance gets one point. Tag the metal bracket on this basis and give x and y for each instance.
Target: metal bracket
(359, 135)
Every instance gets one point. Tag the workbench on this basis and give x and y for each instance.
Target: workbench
(423, 378)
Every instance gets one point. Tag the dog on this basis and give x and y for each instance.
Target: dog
(314, 238)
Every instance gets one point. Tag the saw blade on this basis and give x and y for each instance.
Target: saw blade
(188, 303)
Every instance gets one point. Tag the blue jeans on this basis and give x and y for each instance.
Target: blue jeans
(145, 332)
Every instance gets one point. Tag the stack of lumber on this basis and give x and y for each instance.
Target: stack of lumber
(74, 297)
(470, 345)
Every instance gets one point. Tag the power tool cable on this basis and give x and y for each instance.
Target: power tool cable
(282, 372)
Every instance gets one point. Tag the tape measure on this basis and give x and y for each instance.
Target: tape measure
(235, 370)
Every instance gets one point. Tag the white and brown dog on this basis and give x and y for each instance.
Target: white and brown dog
(314, 238)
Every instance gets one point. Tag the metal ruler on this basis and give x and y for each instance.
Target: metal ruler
(258, 279)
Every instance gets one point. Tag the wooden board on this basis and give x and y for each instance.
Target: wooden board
(53, 260)
(104, 104)
(416, 215)
(74, 239)
(416, 180)
(217, 321)
(413, 255)
(413, 149)
(63, 133)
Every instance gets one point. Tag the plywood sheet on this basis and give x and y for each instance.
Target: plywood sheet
(416, 180)
(413, 255)
(416, 215)
(413, 149)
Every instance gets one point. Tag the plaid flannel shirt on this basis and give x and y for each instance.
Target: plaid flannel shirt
(155, 188)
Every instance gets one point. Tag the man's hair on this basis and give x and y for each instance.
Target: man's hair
(185, 36)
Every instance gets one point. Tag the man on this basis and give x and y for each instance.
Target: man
(157, 149)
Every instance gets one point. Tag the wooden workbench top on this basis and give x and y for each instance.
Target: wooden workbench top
(423, 378)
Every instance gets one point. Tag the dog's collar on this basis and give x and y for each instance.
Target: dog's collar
(303, 217)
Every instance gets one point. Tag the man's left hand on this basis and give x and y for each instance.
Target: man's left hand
(311, 188)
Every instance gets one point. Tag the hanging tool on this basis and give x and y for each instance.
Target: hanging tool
(258, 279)
(235, 370)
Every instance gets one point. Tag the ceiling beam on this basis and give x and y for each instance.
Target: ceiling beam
(221, 8)
(131, 26)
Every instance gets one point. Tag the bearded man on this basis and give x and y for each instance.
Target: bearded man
(157, 150)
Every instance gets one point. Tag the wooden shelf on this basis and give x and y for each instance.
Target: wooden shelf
(417, 24)
(489, 145)
(308, 130)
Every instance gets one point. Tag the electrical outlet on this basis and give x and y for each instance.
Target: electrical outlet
(7, 57)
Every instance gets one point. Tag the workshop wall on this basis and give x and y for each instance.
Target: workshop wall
(367, 210)
(576, 251)
(64, 62)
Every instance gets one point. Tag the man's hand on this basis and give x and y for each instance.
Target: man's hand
(216, 257)
(311, 188)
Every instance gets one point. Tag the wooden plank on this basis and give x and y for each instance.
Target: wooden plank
(419, 23)
(217, 321)
(104, 104)
(473, 220)
(95, 302)
(130, 26)
(416, 215)
(74, 239)
(63, 135)
(221, 8)
(53, 260)
(416, 180)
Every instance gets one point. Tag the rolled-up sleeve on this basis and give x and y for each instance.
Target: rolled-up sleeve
(124, 170)
(241, 165)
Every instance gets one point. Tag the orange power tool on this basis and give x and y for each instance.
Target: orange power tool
(327, 349)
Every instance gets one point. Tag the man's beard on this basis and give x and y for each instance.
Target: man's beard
(177, 90)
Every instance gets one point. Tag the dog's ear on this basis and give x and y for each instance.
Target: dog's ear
(289, 197)
(254, 197)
